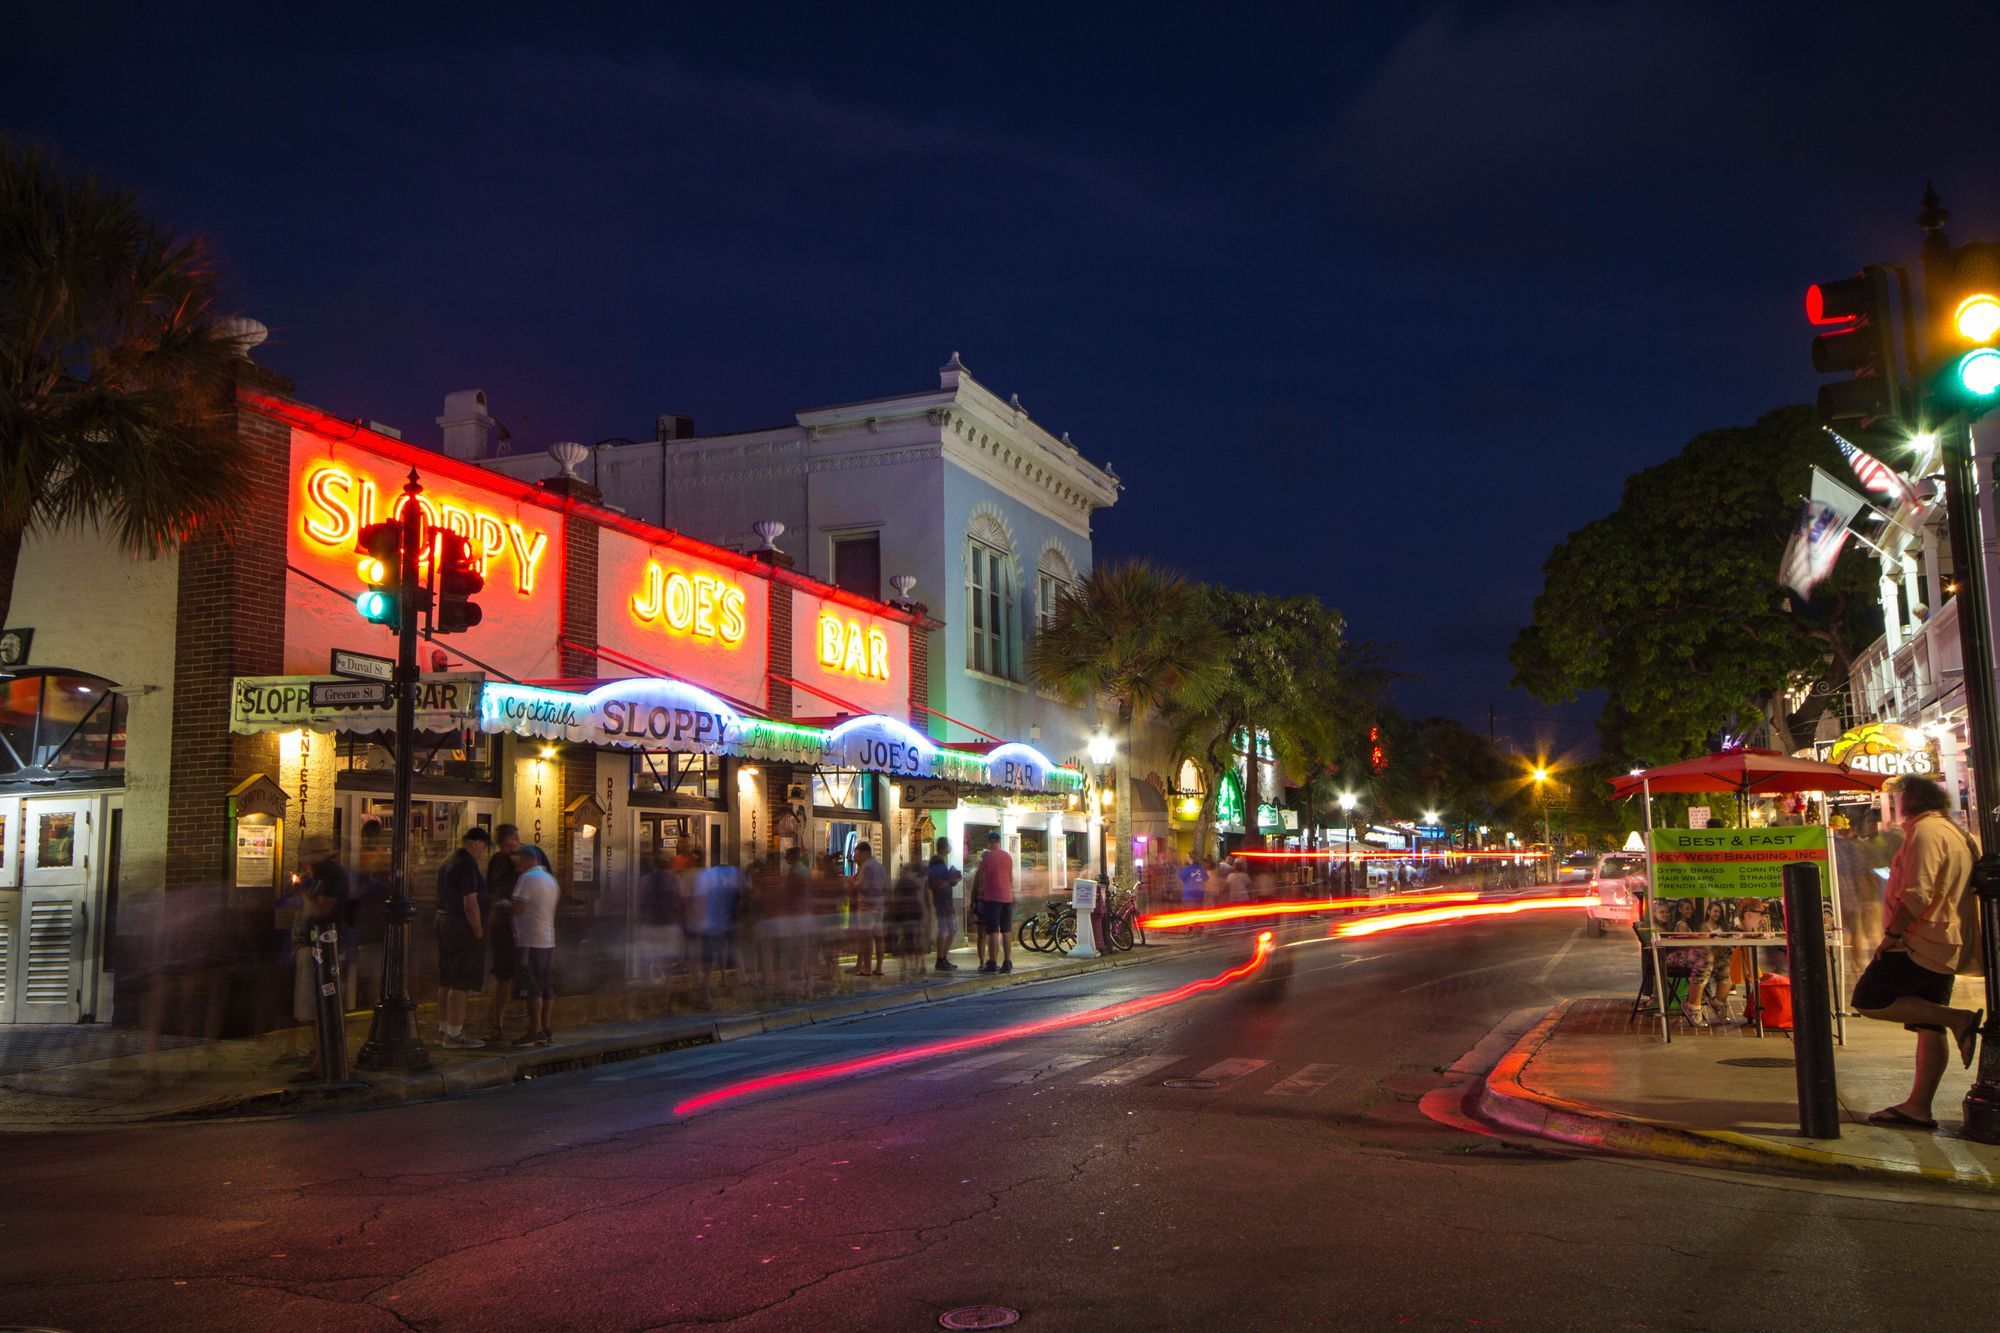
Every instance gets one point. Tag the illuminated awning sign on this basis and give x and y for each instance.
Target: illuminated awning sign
(446, 701)
(339, 502)
(651, 714)
(847, 647)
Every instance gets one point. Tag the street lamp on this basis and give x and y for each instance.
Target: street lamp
(1347, 802)
(1101, 751)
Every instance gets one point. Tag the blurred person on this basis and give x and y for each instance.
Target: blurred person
(904, 928)
(461, 935)
(660, 913)
(1926, 942)
(325, 891)
(941, 877)
(795, 893)
(763, 899)
(1239, 882)
(503, 956)
(995, 887)
(1194, 883)
(829, 906)
(868, 898)
(187, 991)
(712, 916)
(370, 913)
(532, 908)
(1861, 889)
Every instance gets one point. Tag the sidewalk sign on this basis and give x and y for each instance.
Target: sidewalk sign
(1732, 862)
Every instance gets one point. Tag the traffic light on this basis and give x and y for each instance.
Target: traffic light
(458, 578)
(1966, 294)
(1860, 313)
(381, 549)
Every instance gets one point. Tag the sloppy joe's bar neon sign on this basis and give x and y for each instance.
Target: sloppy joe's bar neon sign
(844, 646)
(700, 606)
(341, 501)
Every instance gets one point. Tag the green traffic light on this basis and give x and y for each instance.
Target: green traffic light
(1979, 372)
(375, 606)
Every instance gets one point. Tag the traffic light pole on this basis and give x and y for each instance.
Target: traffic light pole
(393, 1043)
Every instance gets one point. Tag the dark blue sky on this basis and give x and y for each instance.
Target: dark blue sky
(1374, 301)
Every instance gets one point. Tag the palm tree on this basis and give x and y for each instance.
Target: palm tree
(115, 370)
(1137, 634)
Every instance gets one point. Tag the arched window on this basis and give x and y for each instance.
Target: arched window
(1053, 577)
(989, 598)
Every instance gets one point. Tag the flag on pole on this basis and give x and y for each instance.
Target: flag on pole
(1817, 536)
(1829, 491)
(1875, 475)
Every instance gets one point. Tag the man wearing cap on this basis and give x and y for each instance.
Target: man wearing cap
(461, 935)
(324, 895)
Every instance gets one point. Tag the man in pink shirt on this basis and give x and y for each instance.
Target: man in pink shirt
(996, 907)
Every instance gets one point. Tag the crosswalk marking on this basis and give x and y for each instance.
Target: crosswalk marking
(1304, 1083)
(1232, 1069)
(1061, 1064)
(958, 1067)
(1132, 1071)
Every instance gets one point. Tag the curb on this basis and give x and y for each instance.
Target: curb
(460, 1079)
(1504, 1100)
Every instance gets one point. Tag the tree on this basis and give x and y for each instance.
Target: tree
(1671, 603)
(1137, 635)
(115, 371)
(1286, 673)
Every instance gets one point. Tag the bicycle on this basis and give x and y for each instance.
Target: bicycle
(1053, 929)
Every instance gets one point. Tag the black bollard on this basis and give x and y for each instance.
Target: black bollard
(331, 1014)
(1812, 1003)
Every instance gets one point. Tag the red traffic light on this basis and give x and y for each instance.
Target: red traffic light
(1840, 302)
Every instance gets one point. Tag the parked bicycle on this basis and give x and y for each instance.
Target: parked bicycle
(1053, 929)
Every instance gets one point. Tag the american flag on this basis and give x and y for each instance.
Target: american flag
(1817, 537)
(1875, 475)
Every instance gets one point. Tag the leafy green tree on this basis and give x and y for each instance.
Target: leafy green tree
(1671, 604)
(1289, 672)
(1139, 636)
(115, 370)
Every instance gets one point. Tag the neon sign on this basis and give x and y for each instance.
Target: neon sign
(846, 647)
(698, 605)
(341, 502)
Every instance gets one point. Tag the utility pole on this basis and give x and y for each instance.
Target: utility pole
(393, 1043)
(1942, 293)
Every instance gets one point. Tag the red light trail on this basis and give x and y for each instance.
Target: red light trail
(730, 1092)
(1201, 916)
(1431, 916)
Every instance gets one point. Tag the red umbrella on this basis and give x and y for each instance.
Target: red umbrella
(1748, 772)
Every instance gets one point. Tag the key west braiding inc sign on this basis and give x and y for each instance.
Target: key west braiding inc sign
(652, 714)
(1733, 862)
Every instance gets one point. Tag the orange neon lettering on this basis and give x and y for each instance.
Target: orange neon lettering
(680, 602)
(735, 624)
(647, 605)
(326, 487)
(830, 640)
(527, 555)
(370, 500)
(855, 663)
(878, 654)
(706, 590)
(489, 539)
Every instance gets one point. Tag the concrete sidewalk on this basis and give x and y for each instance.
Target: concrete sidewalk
(1585, 1076)
(82, 1077)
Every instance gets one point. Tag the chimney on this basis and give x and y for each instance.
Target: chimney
(468, 430)
(667, 426)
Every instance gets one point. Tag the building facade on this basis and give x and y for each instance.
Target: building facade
(953, 497)
(174, 730)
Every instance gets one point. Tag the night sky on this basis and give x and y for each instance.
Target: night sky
(1373, 302)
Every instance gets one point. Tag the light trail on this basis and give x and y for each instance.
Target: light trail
(730, 1092)
(1202, 916)
(1387, 854)
(1431, 916)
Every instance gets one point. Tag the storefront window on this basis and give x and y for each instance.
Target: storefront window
(843, 789)
(441, 756)
(1076, 854)
(677, 777)
(66, 724)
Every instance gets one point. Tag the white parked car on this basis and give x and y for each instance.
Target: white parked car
(1618, 879)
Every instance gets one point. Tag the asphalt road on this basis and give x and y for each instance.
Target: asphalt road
(1058, 1174)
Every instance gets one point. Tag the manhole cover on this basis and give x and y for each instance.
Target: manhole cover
(1759, 1062)
(979, 1316)
(1192, 1083)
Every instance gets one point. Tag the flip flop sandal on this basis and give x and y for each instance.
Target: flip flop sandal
(1896, 1119)
(1969, 1043)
